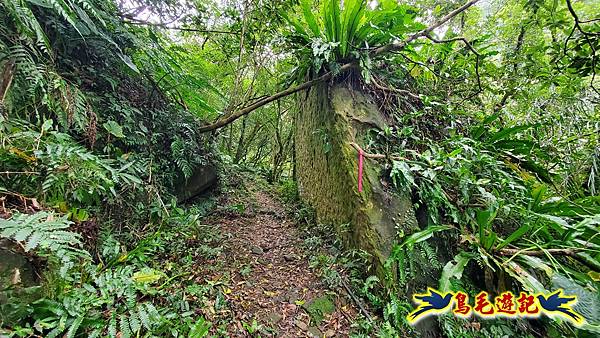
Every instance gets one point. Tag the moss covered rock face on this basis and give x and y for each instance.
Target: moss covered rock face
(329, 119)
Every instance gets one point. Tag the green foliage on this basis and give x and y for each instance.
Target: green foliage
(289, 191)
(200, 328)
(46, 233)
(40, 231)
(75, 173)
(125, 294)
(64, 173)
(343, 29)
(494, 190)
(84, 131)
(98, 120)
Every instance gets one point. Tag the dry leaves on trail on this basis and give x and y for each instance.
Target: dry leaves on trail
(268, 277)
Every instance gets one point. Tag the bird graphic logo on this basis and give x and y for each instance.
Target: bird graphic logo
(557, 304)
(432, 302)
(554, 305)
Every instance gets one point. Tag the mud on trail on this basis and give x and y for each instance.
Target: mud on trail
(267, 284)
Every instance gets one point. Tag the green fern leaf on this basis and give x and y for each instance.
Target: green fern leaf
(144, 317)
(95, 334)
(134, 322)
(112, 327)
(153, 312)
(34, 241)
(124, 325)
(74, 327)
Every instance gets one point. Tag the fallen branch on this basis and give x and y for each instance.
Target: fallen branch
(538, 253)
(357, 301)
(225, 120)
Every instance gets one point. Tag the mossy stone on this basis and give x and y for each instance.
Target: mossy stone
(318, 308)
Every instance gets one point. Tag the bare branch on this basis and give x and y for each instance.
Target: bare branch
(586, 35)
(419, 63)
(134, 21)
(424, 32)
(470, 46)
(394, 90)
(376, 156)
(589, 21)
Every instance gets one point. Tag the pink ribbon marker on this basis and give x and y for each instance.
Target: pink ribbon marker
(360, 169)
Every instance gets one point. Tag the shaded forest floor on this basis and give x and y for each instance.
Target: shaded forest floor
(268, 285)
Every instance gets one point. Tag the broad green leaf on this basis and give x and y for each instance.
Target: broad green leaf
(454, 269)
(515, 235)
(147, 276)
(536, 263)
(114, 129)
(423, 235)
(556, 220)
(538, 193)
(307, 10)
(200, 328)
(529, 282)
(127, 60)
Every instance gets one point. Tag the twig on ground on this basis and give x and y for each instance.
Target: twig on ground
(358, 302)
(376, 156)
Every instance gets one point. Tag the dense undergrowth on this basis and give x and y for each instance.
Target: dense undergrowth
(91, 145)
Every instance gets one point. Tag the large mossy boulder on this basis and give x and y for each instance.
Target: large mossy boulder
(330, 118)
(203, 178)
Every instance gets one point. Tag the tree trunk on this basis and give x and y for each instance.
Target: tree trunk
(240, 148)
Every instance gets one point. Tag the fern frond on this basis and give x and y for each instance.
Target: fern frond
(112, 326)
(144, 317)
(134, 322)
(124, 325)
(43, 231)
(74, 327)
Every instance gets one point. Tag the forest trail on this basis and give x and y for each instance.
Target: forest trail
(268, 278)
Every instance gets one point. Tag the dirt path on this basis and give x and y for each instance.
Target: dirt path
(268, 278)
